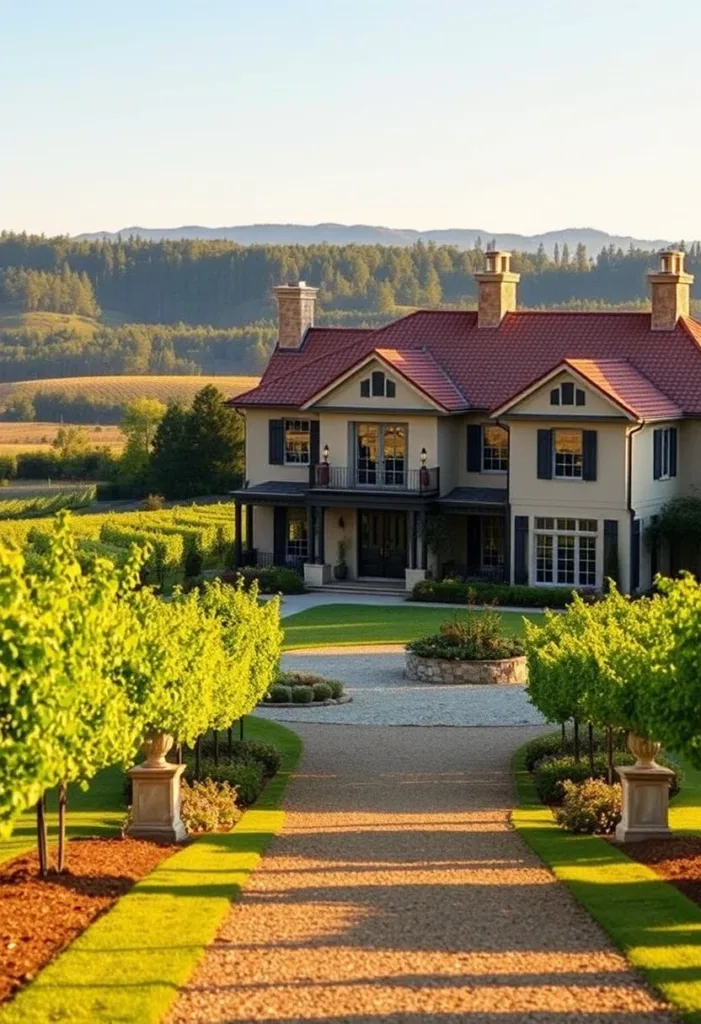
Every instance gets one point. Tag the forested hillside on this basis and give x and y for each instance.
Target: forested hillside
(156, 297)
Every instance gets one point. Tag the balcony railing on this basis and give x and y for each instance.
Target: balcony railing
(349, 478)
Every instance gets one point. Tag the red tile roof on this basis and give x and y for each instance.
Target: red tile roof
(627, 387)
(424, 372)
(490, 365)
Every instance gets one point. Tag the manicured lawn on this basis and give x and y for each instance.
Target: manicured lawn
(344, 624)
(657, 927)
(128, 965)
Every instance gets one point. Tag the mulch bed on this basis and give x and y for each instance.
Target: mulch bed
(40, 917)
(677, 860)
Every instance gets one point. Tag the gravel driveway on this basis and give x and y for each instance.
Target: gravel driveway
(398, 893)
(374, 677)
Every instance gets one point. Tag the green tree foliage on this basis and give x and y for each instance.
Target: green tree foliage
(64, 291)
(198, 450)
(139, 423)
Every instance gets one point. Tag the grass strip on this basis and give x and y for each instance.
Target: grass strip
(657, 928)
(129, 964)
(346, 624)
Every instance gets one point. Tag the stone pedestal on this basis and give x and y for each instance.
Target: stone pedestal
(316, 575)
(155, 808)
(645, 803)
(412, 577)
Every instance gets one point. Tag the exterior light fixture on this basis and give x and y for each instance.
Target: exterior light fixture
(326, 453)
(424, 456)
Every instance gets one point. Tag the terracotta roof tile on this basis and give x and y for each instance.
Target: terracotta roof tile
(489, 365)
(628, 387)
(421, 369)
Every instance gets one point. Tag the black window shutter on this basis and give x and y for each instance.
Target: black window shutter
(657, 454)
(314, 442)
(365, 388)
(635, 554)
(279, 535)
(555, 396)
(545, 454)
(581, 397)
(474, 448)
(589, 447)
(672, 451)
(611, 568)
(276, 442)
(521, 550)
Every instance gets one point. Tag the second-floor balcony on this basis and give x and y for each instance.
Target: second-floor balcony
(386, 477)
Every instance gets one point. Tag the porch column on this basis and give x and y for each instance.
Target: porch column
(249, 531)
(237, 535)
(422, 541)
(321, 513)
(310, 533)
(411, 554)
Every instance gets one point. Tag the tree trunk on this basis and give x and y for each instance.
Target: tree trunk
(62, 800)
(42, 840)
(609, 750)
(563, 738)
(241, 727)
(216, 747)
(198, 746)
(179, 752)
(576, 739)
(591, 748)
(231, 743)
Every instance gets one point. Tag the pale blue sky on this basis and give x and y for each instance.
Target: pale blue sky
(498, 114)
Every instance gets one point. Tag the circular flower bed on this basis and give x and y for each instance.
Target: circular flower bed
(468, 650)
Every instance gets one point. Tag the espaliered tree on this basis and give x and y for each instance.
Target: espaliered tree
(68, 641)
(91, 663)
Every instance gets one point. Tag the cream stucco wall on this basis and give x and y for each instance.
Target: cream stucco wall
(463, 478)
(263, 528)
(347, 394)
(334, 532)
(421, 433)
(538, 403)
(258, 468)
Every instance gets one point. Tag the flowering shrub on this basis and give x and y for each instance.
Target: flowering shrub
(590, 806)
(208, 806)
(477, 636)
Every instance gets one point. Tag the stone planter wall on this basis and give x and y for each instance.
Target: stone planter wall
(447, 671)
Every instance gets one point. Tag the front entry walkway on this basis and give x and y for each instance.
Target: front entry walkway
(397, 893)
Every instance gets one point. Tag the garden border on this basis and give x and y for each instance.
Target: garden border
(345, 699)
(126, 966)
(657, 928)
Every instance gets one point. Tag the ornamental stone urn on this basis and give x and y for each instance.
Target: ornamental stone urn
(645, 786)
(155, 808)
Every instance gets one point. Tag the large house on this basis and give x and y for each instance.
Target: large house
(532, 447)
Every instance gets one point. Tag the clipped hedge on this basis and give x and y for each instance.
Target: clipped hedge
(551, 773)
(167, 550)
(505, 594)
(274, 580)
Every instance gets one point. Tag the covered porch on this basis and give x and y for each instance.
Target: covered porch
(477, 534)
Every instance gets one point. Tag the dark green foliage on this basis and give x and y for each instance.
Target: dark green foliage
(336, 688)
(8, 466)
(198, 450)
(476, 636)
(94, 464)
(551, 773)
(679, 520)
(321, 691)
(507, 595)
(280, 694)
(552, 746)
(63, 291)
(302, 694)
(245, 776)
(265, 755)
(275, 580)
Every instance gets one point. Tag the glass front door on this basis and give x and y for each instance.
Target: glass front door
(380, 455)
(383, 544)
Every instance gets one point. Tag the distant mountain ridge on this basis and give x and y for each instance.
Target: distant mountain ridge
(366, 234)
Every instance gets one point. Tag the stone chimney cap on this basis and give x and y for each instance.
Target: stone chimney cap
(298, 284)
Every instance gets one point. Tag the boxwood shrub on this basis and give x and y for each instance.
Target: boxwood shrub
(302, 694)
(245, 776)
(551, 773)
(279, 694)
(273, 580)
(322, 691)
(457, 592)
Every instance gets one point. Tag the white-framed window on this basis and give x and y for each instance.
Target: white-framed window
(568, 454)
(495, 449)
(297, 539)
(565, 551)
(378, 385)
(297, 442)
(567, 394)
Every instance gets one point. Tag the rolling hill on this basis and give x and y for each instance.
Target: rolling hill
(46, 323)
(120, 390)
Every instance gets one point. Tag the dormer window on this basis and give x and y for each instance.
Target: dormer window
(567, 394)
(378, 385)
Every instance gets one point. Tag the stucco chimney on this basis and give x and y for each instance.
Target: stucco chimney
(497, 289)
(671, 288)
(295, 312)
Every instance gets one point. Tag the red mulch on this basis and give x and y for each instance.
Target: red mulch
(677, 860)
(40, 917)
